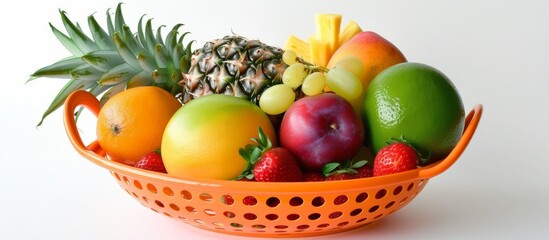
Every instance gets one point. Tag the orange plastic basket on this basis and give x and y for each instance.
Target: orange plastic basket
(270, 209)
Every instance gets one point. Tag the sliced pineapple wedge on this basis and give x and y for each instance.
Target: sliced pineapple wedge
(327, 30)
(348, 32)
(320, 51)
(299, 46)
(319, 48)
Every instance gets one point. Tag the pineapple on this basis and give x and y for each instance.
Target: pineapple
(114, 60)
(234, 66)
(117, 59)
(319, 48)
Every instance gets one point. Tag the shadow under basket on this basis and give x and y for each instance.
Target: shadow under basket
(266, 209)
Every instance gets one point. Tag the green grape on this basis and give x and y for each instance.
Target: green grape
(314, 84)
(293, 75)
(277, 99)
(343, 83)
(289, 57)
(351, 64)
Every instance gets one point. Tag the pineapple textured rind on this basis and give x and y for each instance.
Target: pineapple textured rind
(233, 65)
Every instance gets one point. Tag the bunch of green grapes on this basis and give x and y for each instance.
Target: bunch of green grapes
(313, 80)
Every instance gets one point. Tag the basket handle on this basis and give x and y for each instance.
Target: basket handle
(81, 98)
(471, 122)
(93, 152)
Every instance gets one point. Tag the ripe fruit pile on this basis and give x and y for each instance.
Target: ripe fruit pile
(312, 80)
(341, 105)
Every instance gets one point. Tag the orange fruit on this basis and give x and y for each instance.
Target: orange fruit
(203, 138)
(131, 123)
(418, 103)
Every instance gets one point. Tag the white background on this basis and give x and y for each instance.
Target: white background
(496, 53)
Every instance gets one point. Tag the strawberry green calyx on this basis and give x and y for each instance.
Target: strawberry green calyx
(423, 157)
(266, 163)
(252, 153)
(346, 167)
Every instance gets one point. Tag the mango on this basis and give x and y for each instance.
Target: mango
(375, 52)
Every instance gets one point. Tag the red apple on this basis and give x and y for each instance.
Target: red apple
(321, 129)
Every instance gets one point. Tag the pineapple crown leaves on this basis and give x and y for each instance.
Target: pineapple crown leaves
(112, 60)
(347, 166)
(253, 152)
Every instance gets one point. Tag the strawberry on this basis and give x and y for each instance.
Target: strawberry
(151, 161)
(268, 164)
(340, 176)
(343, 171)
(249, 201)
(312, 176)
(277, 165)
(365, 172)
(227, 199)
(396, 157)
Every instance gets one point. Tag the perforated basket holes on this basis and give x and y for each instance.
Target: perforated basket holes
(323, 212)
(264, 214)
(161, 199)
